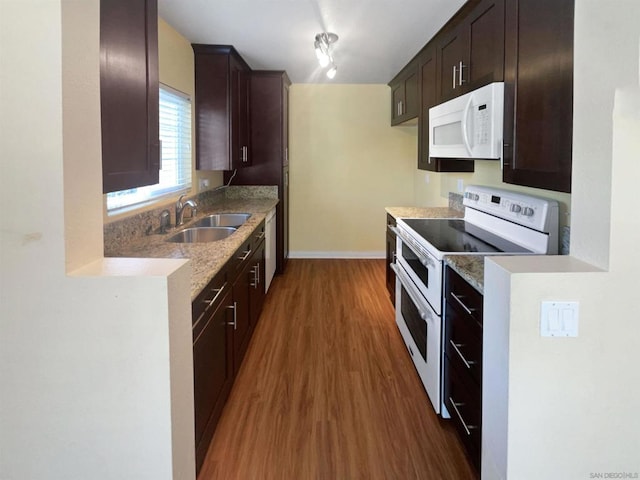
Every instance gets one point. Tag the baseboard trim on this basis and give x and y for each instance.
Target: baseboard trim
(364, 255)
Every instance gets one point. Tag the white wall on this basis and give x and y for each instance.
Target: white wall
(95, 354)
(570, 404)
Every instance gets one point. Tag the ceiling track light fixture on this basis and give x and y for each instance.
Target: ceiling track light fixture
(323, 46)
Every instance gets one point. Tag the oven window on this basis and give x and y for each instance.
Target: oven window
(416, 325)
(416, 265)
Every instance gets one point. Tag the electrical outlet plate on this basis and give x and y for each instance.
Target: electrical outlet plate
(559, 319)
(460, 185)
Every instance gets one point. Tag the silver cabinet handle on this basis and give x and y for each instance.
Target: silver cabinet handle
(235, 315)
(467, 363)
(467, 309)
(210, 303)
(246, 255)
(260, 236)
(467, 428)
(216, 292)
(461, 79)
(401, 105)
(454, 77)
(254, 283)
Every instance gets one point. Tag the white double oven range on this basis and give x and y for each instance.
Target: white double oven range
(496, 222)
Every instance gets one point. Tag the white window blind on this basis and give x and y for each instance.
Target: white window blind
(175, 135)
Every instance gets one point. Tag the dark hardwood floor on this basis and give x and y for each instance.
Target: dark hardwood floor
(327, 389)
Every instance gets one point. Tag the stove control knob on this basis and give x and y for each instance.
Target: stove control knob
(515, 208)
(528, 212)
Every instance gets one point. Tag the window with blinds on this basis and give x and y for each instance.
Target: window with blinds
(175, 137)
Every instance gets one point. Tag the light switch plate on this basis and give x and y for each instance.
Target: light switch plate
(559, 319)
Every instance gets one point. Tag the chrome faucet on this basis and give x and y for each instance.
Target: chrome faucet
(180, 209)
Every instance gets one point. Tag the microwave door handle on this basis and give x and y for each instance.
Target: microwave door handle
(465, 120)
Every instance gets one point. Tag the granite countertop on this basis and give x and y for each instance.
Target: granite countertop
(206, 258)
(424, 212)
(469, 267)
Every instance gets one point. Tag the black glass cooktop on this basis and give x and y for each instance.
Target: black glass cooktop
(458, 236)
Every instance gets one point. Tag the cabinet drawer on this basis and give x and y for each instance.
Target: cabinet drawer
(463, 399)
(207, 300)
(391, 220)
(463, 297)
(463, 342)
(259, 233)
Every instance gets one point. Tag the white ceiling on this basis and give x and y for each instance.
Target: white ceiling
(377, 37)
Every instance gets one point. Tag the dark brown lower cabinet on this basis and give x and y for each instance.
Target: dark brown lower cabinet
(463, 362)
(213, 364)
(225, 314)
(391, 258)
(257, 279)
(240, 321)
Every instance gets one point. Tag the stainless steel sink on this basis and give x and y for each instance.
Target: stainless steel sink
(223, 220)
(201, 235)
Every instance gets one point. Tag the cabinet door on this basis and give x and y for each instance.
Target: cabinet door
(405, 97)
(485, 33)
(212, 375)
(397, 101)
(451, 54)
(240, 129)
(538, 122)
(411, 97)
(471, 53)
(129, 95)
(391, 258)
(428, 99)
(244, 114)
(212, 108)
(241, 321)
(285, 122)
(257, 292)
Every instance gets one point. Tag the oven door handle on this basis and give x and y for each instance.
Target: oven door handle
(415, 296)
(409, 242)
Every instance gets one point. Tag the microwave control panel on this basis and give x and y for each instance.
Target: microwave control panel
(481, 124)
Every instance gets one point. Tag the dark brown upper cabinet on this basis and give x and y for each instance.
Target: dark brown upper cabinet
(538, 120)
(405, 94)
(222, 108)
(470, 49)
(428, 99)
(129, 94)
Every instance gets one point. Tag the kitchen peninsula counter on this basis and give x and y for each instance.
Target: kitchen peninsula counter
(206, 258)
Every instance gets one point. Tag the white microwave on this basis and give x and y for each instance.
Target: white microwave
(469, 126)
